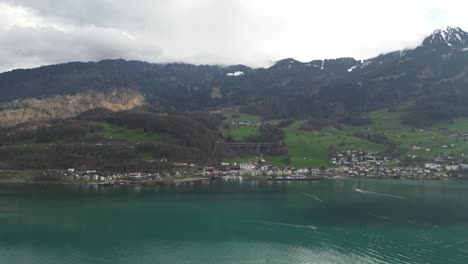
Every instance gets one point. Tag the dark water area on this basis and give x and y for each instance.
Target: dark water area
(345, 221)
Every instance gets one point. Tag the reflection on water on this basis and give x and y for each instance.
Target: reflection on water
(249, 222)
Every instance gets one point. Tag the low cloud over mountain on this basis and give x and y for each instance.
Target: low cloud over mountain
(255, 33)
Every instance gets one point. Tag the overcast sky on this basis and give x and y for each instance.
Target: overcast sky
(251, 32)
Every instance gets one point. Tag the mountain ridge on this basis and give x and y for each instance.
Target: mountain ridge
(331, 88)
(451, 37)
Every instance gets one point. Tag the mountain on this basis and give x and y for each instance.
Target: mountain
(429, 82)
(448, 38)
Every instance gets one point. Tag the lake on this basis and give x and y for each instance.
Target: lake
(342, 221)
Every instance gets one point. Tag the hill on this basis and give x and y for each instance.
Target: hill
(116, 141)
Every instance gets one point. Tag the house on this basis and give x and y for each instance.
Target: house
(452, 167)
(432, 166)
(253, 173)
(247, 166)
(415, 148)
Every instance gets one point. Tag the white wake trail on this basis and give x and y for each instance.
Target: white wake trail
(284, 224)
(313, 196)
(381, 194)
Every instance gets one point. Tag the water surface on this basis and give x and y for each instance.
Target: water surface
(386, 221)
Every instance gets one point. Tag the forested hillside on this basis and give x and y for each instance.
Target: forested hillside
(117, 141)
(429, 81)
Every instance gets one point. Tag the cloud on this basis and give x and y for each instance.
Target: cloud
(254, 32)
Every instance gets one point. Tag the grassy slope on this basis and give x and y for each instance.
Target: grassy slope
(405, 137)
(239, 133)
(241, 159)
(17, 176)
(110, 131)
(306, 149)
(312, 149)
(242, 117)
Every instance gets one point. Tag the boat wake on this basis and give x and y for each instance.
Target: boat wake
(381, 194)
(285, 224)
(313, 196)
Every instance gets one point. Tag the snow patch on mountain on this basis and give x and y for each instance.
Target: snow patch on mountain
(235, 74)
(365, 64)
(448, 37)
(352, 68)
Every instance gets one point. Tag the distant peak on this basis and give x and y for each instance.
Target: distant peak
(449, 37)
(447, 29)
(287, 61)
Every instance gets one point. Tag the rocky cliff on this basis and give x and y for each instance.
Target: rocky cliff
(65, 106)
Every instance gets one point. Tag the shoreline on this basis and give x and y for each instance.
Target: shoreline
(129, 183)
(201, 179)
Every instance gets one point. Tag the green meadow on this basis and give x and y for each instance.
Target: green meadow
(313, 148)
(109, 131)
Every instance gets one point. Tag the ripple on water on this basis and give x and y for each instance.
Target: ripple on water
(384, 236)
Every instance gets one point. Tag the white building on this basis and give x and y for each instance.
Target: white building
(246, 167)
(432, 166)
(452, 167)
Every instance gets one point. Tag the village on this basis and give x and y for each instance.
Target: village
(101, 177)
(371, 164)
(343, 164)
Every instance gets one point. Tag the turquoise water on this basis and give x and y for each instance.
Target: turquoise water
(389, 221)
